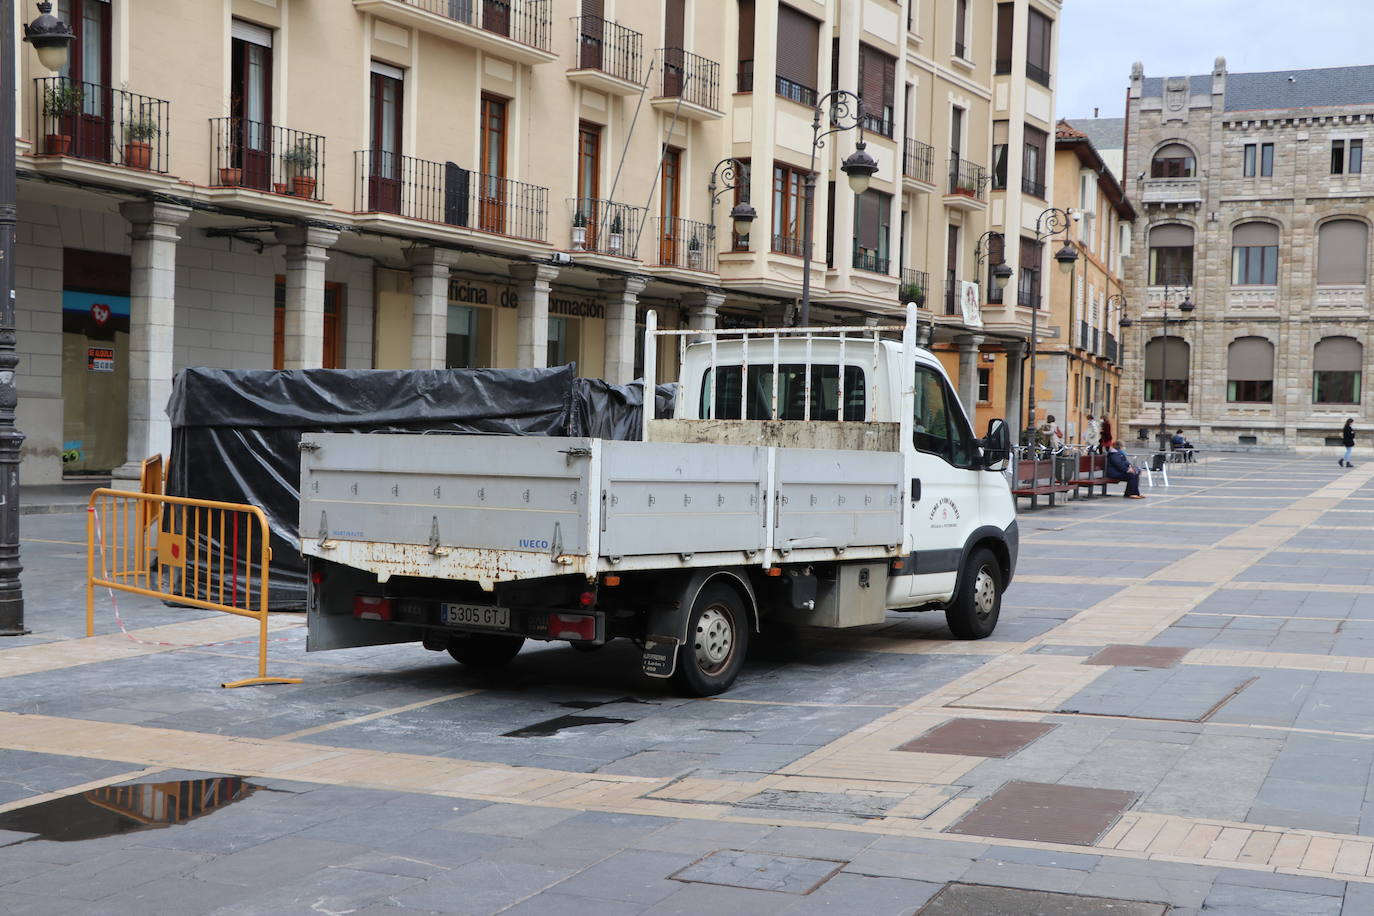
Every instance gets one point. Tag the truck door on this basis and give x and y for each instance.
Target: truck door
(943, 459)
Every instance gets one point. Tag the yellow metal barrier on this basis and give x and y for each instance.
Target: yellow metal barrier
(197, 552)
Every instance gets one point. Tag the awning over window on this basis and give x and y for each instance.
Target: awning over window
(1173, 368)
(1171, 236)
(1250, 359)
(1342, 252)
(1338, 354)
(1252, 235)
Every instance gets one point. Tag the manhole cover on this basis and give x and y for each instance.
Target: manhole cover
(1046, 813)
(854, 805)
(760, 871)
(978, 737)
(984, 900)
(1138, 656)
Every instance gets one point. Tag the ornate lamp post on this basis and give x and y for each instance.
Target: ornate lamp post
(1051, 222)
(1116, 302)
(733, 173)
(1185, 306)
(51, 38)
(843, 106)
(982, 249)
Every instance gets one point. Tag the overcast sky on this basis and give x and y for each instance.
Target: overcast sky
(1099, 39)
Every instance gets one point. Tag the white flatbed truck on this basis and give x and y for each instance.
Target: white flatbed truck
(821, 476)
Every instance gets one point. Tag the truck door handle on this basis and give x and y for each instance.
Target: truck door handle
(915, 490)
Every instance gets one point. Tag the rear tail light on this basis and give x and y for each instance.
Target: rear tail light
(587, 599)
(317, 576)
(371, 607)
(572, 626)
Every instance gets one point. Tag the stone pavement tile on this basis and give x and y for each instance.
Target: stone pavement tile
(1275, 697)
(888, 863)
(1359, 899)
(1185, 637)
(276, 861)
(655, 763)
(1176, 892)
(1049, 858)
(1299, 884)
(510, 820)
(479, 887)
(383, 824)
(846, 893)
(176, 896)
(1234, 900)
(1217, 777)
(24, 774)
(218, 834)
(696, 899)
(1030, 877)
(111, 873)
(423, 862)
(632, 875)
(327, 890)
(700, 837)
(1333, 821)
(552, 903)
(1135, 765)
(46, 905)
(448, 848)
(842, 845)
(1266, 624)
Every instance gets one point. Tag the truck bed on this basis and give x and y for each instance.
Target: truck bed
(490, 509)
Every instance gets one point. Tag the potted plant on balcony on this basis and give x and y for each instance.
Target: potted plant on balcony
(61, 99)
(694, 253)
(230, 176)
(579, 230)
(300, 164)
(139, 131)
(617, 235)
(912, 292)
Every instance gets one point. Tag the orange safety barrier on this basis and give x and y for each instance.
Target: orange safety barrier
(197, 552)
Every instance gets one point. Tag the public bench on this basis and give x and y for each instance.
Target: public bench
(1036, 477)
(1092, 472)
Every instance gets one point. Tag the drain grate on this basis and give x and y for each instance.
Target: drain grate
(1138, 656)
(986, 900)
(967, 737)
(1046, 813)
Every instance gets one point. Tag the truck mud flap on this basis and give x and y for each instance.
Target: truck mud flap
(660, 655)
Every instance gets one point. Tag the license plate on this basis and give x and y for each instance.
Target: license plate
(476, 615)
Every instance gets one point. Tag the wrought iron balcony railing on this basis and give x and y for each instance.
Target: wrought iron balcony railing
(918, 160)
(606, 227)
(968, 179)
(606, 46)
(102, 124)
(266, 157)
(689, 77)
(915, 286)
(870, 259)
(687, 244)
(443, 192)
(525, 21)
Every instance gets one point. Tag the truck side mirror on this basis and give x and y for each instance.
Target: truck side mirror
(996, 446)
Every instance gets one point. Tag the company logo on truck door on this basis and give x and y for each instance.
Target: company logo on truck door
(944, 514)
(534, 544)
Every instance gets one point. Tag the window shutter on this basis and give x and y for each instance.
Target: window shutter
(1343, 252)
(1178, 352)
(798, 46)
(866, 220)
(593, 8)
(746, 29)
(871, 80)
(674, 23)
(1174, 151)
(1006, 14)
(1250, 359)
(1172, 236)
(1250, 235)
(1338, 354)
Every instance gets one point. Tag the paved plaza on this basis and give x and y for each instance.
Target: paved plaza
(1176, 714)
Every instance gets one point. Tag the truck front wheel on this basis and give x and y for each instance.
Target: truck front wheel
(978, 603)
(484, 650)
(717, 638)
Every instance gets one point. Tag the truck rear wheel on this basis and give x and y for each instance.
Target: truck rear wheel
(717, 638)
(484, 650)
(978, 603)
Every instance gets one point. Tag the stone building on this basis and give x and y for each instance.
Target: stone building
(431, 183)
(1255, 209)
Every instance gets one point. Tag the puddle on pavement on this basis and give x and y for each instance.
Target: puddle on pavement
(554, 726)
(112, 810)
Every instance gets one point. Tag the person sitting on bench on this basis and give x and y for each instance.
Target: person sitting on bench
(1180, 444)
(1119, 468)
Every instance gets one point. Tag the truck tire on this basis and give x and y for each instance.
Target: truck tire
(717, 638)
(977, 605)
(484, 650)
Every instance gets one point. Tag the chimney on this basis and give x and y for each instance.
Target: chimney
(1094, 111)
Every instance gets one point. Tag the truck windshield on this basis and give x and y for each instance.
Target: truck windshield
(721, 393)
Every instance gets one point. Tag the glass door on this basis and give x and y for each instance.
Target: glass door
(492, 202)
(384, 180)
(250, 107)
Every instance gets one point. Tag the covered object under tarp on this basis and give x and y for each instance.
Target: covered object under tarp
(236, 433)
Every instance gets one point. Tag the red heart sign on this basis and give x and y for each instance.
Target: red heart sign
(100, 312)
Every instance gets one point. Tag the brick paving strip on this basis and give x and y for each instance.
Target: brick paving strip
(867, 762)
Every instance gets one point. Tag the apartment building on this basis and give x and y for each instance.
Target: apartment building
(1255, 209)
(268, 184)
(1078, 364)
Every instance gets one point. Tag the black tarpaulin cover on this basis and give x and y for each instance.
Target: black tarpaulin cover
(236, 433)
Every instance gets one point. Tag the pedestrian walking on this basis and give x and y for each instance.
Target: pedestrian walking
(1348, 440)
(1105, 443)
(1119, 468)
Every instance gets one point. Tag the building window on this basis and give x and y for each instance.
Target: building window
(984, 385)
(1336, 365)
(961, 29)
(1038, 47)
(1266, 160)
(1347, 157)
(999, 155)
(562, 341)
(1250, 371)
(384, 179)
(798, 53)
(250, 104)
(335, 295)
(1006, 18)
(744, 76)
(872, 231)
(462, 350)
(1255, 255)
(1166, 365)
(878, 84)
(1171, 255)
(1248, 166)
(1028, 280)
(789, 198)
(1033, 162)
(1173, 160)
(997, 255)
(1343, 252)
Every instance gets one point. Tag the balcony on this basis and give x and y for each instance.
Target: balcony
(744, 76)
(1033, 188)
(952, 289)
(915, 286)
(688, 85)
(1343, 298)
(101, 124)
(686, 244)
(1113, 350)
(1002, 66)
(606, 227)
(967, 188)
(787, 244)
(265, 157)
(608, 56)
(445, 194)
(1172, 191)
(1038, 74)
(796, 92)
(1252, 300)
(918, 164)
(871, 259)
(516, 30)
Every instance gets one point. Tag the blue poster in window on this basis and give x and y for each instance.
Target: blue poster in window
(96, 315)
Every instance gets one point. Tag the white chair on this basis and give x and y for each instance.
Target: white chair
(1159, 464)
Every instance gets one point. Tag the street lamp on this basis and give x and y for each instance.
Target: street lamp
(1115, 303)
(859, 166)
(1051, 222)
(732, 172)
(982, 250)
(51, 38)
(1185, 306)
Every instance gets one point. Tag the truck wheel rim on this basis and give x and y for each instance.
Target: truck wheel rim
(984, 593)
(715, 639)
